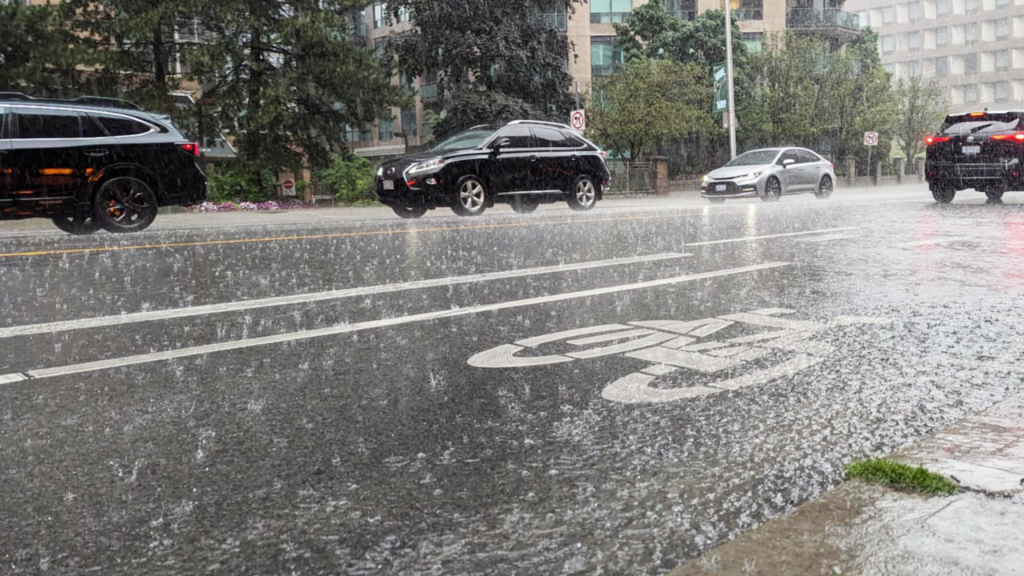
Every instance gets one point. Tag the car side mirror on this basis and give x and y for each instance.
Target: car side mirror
(501, 143)
(787, 162)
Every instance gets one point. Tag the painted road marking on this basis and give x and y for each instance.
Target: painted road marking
(174, 313)
(392, 232)
(769, 236)
(828, 238)
(361, 326)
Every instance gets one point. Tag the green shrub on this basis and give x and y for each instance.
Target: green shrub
(235, 183)
(350, 179)
(902, 476)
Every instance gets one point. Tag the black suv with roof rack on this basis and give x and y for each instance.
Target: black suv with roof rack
(92, 163)
(523, 163)
(979, 150)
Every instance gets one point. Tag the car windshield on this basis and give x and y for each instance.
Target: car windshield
(471, 138)
(754, 158)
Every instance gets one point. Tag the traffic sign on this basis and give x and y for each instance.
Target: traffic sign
(871, 138)
(288, 186)
(578, 120)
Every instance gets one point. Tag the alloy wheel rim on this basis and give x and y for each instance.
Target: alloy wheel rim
(126, 205)
(773, 189)
(826, 187)
(471, 195)
(585, 193)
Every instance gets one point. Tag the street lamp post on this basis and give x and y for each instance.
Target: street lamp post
(728, 74)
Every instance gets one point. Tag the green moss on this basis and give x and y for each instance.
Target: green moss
(901, 476)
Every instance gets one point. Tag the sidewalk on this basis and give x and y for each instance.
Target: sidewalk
(861, 528)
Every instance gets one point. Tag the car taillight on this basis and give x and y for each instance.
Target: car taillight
(1018, 137)
(976, 114)
(935, 139)
(191, 147)
(604, 154)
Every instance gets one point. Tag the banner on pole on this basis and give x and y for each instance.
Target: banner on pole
(721, 86)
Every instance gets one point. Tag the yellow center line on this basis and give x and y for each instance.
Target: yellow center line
(322, 236)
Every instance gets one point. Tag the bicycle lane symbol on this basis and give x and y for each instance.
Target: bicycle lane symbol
(672, 345)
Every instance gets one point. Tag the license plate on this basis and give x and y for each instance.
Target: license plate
(971, 149)
(389, 184)
(721, 187)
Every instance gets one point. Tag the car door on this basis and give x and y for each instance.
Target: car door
(557, 164)
(811, 165)
(512, 163)
(48, 156)
(790, 174)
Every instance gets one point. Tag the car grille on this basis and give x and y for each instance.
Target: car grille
(730, 188)
(398, 168)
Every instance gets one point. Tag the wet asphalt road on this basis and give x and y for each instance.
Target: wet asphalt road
(347, 431)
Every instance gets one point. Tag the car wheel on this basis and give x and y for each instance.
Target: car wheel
(470, 197)
(410, 211)
(772, 190)
(716, 200)
(583, 195)
(824, 189)
(943, 195)
(124, 204)
(523, 205)
(77, 224)
(994, 194)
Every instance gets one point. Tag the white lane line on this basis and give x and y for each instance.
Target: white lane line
(752, 238)
(828, 238)
(933, 241)
(173, 313)
(360, 326)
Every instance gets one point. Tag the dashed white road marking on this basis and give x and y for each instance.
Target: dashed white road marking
(769, 236)
(169, 314)
(360, 326)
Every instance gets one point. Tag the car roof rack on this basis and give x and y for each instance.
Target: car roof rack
(100, 101)
(542, 122)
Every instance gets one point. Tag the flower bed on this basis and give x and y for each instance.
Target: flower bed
(269, 206)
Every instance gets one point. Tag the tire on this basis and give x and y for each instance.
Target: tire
(410, 211)
(825, 188)
(943, 195)
(994, 194)
(716, 200)
(523, 205)
(772, 190)
(124, 205)
(76, 225)
(583, 195)
(471, 197)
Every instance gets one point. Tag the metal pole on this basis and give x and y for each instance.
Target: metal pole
(728, 74)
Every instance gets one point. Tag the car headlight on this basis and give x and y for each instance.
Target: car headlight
(751, 176)
(432, 164)
(380, 172)
(705, 180)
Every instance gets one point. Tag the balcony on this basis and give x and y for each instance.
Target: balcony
(836, 25)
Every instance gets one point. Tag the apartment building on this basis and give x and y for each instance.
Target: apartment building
(974, 49)
(590, 30)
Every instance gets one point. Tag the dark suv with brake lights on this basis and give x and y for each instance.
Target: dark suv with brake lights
(92, 163)
(523, 163)
(979, 150)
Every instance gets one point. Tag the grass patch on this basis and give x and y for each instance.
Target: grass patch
(901, 476)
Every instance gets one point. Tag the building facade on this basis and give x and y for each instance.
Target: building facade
(974, 49)
(591, 33)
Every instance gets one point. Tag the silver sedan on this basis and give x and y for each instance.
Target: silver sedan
(768, 174)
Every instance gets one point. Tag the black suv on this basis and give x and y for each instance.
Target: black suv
(522, 163)
(979, 150)
(92, 163)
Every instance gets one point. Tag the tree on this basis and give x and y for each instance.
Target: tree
(920, 108)
(36, 50)
(646, 103)
(505, 62)
(286, 79)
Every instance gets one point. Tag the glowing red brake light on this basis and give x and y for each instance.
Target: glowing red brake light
(976, 114)
(1019, 137)
(604, 153)
(935, 139)
(192, 148)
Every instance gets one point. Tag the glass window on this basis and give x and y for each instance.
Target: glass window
(806, 156)
(550, 138)
(750, 10)
(942, 7)
(971, 32)
(888, 15)
(970, 93)
(1002, 91)
(555, 14)
(942, 36)
(471, 138)
(409, 123)
(971, 64)
(3, 115)
(380, 15)
(970, 6)
(518, 136)
(685, 10)
(914, 11)
(91, 127)
(48, 124)
(887, 44)
(353, 134)
(1003, 61)
(914, 40)
(1002, 3)
(610, 11)
(755, 157)
(754, 41)
(120, 126)
(605, 56)
(1002, 28)
(942, 67)
(378, 46)
(404, 15)
(385, 129)
(914, 68)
